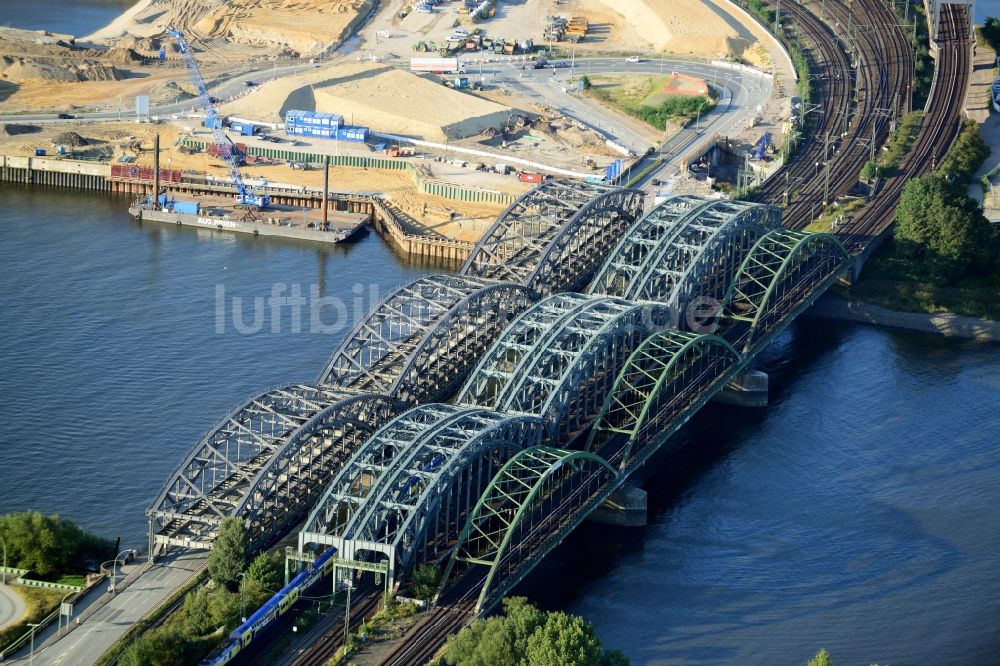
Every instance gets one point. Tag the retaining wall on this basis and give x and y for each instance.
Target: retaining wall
(949, 325)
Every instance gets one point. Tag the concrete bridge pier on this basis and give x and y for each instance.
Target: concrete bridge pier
(625, 508)
(748, 389)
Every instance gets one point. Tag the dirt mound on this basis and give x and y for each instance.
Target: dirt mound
(69, 139)
(18, 69)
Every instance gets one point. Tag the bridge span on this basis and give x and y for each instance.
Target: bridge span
(556, 396)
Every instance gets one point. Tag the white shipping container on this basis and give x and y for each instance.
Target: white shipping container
(444, 65)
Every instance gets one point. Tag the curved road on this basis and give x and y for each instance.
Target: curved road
(11, 606)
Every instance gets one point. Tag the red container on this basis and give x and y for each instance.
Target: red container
(526, 177)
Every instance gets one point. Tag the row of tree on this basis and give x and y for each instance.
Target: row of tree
(50, 545)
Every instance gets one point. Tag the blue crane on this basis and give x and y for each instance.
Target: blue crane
(227, 150)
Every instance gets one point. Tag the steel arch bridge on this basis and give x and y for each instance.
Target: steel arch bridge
(538, 496)
(782, 274)
(559, 358)
(419, 343)
(687, 247)
(669, 377)
(554, 237)
(405, 495)
(264, 463)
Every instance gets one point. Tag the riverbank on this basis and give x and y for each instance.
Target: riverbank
(831, 306)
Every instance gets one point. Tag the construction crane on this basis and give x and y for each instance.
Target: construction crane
(247, 198)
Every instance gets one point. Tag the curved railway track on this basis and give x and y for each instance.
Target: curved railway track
(883, 60)
(941, 125)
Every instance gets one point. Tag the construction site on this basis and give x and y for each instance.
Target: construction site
(446, 129)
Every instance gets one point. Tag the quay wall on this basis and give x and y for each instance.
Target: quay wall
(96, 176)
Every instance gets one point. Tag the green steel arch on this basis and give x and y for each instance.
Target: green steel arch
(535, 499)
(669, 377)
(784, 272)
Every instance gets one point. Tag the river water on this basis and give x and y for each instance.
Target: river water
(74, 17)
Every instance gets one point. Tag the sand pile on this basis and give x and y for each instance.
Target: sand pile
(69, 139)
(400, 102)
(303, 27)
(19, 69)
(683, 27)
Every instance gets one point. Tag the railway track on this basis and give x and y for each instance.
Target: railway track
(317, 654)
(829, 162)
(941, 125)
(426, 638)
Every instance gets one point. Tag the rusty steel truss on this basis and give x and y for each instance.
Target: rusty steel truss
(419, 343)
(265, 463)
(554, 237)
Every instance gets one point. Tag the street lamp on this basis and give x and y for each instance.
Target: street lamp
(4, 560)
(114, 576)
(31, 658)
(243, 604)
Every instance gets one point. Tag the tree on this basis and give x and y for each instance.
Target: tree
(229, 552)
(49, 544)
(265, 569)
(526, 636)
(587, 85)
(869, 171)
(564, 639)
(425, 581)
(822, 658)
(197, 620)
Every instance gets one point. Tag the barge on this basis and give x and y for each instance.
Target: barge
(278, 221)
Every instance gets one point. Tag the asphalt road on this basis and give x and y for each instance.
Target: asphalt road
(741, 95)
(84, 644)
(11, 606)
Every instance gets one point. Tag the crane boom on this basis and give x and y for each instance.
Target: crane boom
(227, 150)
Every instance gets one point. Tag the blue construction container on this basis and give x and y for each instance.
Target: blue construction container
(244, 129)
(39, 152)
(312, 119)
(212, 123)
(187, 207)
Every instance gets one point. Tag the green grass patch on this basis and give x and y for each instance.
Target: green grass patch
(39, 602)
(824, 223)
(901, 142)
(894, 281)
(643, 98)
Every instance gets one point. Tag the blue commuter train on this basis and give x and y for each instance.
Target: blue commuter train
(276, 606)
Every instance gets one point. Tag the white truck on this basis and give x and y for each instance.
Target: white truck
(436, 65)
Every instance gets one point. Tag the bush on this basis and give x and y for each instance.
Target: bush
(425, 581)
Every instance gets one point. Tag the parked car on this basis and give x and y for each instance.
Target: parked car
(633, 59)
(541, 64)
(249, 83)
(656, 182)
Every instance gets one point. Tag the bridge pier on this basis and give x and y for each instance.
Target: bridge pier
(748, 389)
(625, 508)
